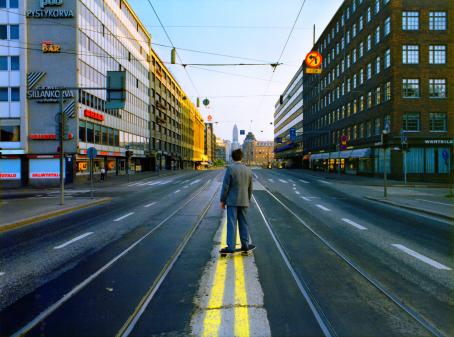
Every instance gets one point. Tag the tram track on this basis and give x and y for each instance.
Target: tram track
(128, 326)
(322, 318)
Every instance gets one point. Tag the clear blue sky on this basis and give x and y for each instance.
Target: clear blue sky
(254, 29)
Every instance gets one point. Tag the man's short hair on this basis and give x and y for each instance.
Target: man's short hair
(237, 155)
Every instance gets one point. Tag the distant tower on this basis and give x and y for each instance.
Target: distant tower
(235, 143)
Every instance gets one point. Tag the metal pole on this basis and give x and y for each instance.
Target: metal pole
(91, 178)
(405, 167)
(313, 39)
(385, 182)
(450, 171)
(62, 134)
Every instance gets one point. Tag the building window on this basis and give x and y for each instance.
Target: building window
(369, 42)
(377, 6)
(361, 50)
(410, 54)
(410, 88)
(369, 14)
(377, 65)
(3, 94)
(15, 94)
(437, 54)
(361, 76)
(9, 133)
(410, 20)
(369, 71)
(377, 35)
(438, 122)
(377, 127)
(438, 20)
(387, 28)
(14, 62)
(411, 121)
(14, 32)
(3, 32)
(369, 100)
(387, 96)
(437, 88)
(3, 63)
(361, 23)
(378, 96)
(361, 103)
(387, 58)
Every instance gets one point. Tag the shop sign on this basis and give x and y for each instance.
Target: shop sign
(7, 176)
(41, 175)
(50, 47)
(50, 13)
(438, 141)
(43, 136)
(83, 165)
(93, 115)
(48, 94)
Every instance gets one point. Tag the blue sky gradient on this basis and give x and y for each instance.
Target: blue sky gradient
(254, 29)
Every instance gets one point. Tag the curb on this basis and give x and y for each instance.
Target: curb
(49, 215)
(440, 215)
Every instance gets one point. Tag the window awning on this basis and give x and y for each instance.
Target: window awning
(361, 153)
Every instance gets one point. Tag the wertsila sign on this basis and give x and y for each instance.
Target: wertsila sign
(43, 12)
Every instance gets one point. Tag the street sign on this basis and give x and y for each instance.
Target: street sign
(292, 134)
(279, 140)
(314, 59)
(313, 71)
(242, 132)
(343, 145)
(206, 102)
(92, 152)
(210, 118)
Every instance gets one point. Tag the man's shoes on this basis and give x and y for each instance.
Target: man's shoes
(226, 250)
(248, 248)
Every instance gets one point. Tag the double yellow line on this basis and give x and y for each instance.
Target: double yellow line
(215, 309)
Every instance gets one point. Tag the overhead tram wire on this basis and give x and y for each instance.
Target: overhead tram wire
(85, 29)
(173, 46)
(282, 52)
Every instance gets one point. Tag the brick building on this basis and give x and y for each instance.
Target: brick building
(388, 66)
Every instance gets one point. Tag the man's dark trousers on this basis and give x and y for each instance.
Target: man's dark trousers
(234, 214)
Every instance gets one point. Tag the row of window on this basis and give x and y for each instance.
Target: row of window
(98, 134)
(9, 133)
(437, 88)
(9, 32)
(9, 3)
(437, 54)
(9, 63)
(9, 94)
(437, 20)
(438, 122)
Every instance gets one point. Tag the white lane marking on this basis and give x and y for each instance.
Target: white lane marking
(323, 208)
(290, 180)
(165, 182)
(195, 182)
(283, 181)
(271, 180)
(186, 186)
(304, 181)
(324, 181)
(354, 224)
(435, 202)
(255, 176)
(306, 198)
(297, 192)
(80, 237)
(421, 257)
(294, 187)
(185, 181)
(2, 273)
(149, 205)
(177, 191)
(124, 216)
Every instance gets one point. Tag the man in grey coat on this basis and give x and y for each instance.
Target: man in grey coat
(236, 194)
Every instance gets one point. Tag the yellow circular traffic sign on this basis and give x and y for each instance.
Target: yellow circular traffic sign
(314, 59)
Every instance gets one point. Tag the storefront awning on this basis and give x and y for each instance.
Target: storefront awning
(361, 153)
(358, 153)
(319, 156)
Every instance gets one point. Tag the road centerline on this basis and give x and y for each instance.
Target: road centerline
(420, 257)
(354, 224)
(323, 207)
(77, 238)
(150, 204)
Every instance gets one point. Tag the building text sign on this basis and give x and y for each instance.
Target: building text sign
(52, 13)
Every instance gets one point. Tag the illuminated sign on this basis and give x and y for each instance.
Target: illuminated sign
(7, 176)
(48, 94)
(83, 165)
(50, 13)
(43, 136)
(49, 47)
(93, 115)
(45, 175)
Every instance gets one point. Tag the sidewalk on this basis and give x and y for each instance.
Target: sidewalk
(21, 212)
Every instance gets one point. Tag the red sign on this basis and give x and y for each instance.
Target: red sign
(210, 118)
(314, 59)
(93, 115)
(8, 175)
(43, 136)
(45, 175)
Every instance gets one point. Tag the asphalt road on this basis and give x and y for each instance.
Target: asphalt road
(134, 266)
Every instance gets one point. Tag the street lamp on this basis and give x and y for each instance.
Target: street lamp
(385, 132)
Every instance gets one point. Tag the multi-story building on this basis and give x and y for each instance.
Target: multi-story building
(228, 151)
(193, 128)
(220, 150)
(209, 143)
(288, 123)
(65, 49)
(388, 74)
(264, 152)
(167, 116)
(248, 148)
(13, 116)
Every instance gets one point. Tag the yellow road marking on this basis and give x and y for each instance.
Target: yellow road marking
(213, 317)
(241, 308)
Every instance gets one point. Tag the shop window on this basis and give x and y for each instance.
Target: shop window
(111, 137)
(415, 160)
(97, 130)
(105, 136)
(82, 131)
(10, 133)
(116, 138)
(430, 160)
(443, 166)
(90, 134)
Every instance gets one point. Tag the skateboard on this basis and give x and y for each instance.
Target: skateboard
(237, 251)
